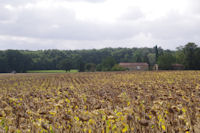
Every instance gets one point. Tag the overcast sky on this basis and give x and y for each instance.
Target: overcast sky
(87, 24)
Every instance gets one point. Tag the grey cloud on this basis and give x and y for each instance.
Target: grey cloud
(37, 44)
(14, 42)
(133, 13)
(23, 2)
(174, 25)
(5, 14)
(17, 2)
(93, 1)
(62, 24)
(59, 28)
(194, 6)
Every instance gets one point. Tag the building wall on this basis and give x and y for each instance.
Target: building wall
(178, 68)
(138, 68)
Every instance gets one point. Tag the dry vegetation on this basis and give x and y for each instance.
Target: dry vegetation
(101, 102)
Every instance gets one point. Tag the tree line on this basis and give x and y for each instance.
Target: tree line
(106, 59)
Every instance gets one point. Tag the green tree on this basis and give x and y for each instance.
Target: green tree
(108, 63)
(165, 61)
(78, 63)
(3, 64)
(180, 56)
(151, 59)
(90, 67)
(99, 67)
(116, 67)
(17, 61)
(197, 61)
(81, 66)
(189, 55)
(65, 64)
(156, 53)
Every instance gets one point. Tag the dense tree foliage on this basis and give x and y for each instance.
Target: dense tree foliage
(166, 60)
(65, 64)
(14, 60)
(97, 60)
(191, 51)
(90, 67)
(117, 67)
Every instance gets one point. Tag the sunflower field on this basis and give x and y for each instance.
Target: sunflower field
(101, 102)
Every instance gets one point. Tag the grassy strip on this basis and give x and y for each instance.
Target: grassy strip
(51, 71)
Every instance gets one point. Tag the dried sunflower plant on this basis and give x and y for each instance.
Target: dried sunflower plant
(106, 102)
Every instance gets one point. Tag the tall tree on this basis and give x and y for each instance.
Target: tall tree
(90, 67)
(3, 63)
(65, 64)
(156, 53)
(166, 60)
(17, 61)
(180, 56)
(108, 63)
(151, 59)
(197, 60)
(189, 52)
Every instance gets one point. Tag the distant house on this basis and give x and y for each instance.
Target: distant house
(155, 67)
(13, 72)
(135, 66)
(178, 67)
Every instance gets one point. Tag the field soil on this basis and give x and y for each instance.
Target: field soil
(101, 102)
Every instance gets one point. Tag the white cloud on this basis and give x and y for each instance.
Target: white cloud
(132, 14)
(93, 1)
